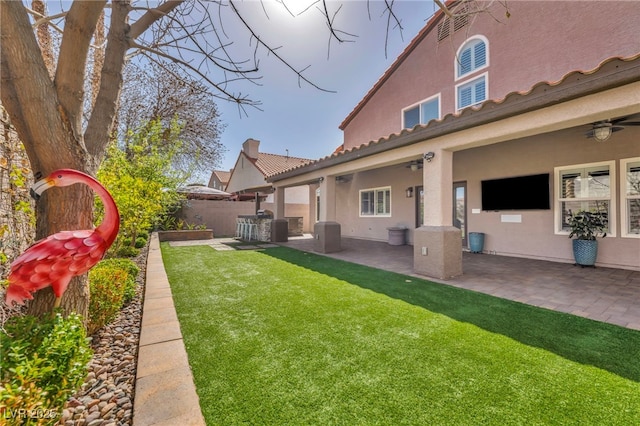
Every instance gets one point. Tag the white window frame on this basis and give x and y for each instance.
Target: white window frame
(419, 105)
(625, 197)
(484, 76)
(376, 191)
(463, 47)
(558, 193)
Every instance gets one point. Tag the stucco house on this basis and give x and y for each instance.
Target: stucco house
(249, 177)
(492, 123)
(219, 179)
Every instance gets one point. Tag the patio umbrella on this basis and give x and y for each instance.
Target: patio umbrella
(201, 192)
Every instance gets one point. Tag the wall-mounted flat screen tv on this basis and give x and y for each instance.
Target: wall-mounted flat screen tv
(516, 193)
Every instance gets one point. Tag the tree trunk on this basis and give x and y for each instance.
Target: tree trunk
(61, 209)
(48, 113)
(49, 126)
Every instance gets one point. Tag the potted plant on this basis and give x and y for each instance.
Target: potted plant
(586, 227)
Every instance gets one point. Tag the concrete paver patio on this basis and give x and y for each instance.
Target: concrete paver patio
(602, 294)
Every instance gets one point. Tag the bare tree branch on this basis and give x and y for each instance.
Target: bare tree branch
(443, 8)
(226, 95)
(272, 51)
(152, 15)
(81, 21)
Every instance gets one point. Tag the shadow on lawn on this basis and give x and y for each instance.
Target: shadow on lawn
(606, 346)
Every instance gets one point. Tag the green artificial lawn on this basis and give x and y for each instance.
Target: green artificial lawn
(279, 336)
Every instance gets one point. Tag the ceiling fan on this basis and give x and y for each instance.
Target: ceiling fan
(601, 130)
(415, 165)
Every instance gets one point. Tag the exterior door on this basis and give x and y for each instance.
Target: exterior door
(460, 209)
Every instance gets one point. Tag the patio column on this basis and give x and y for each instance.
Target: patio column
(437, 246)
(327, 231)
(279, 225)
(278, 201)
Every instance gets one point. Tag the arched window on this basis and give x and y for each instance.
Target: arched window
(472, 88)
(472, 56)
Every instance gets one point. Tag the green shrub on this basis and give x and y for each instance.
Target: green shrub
(44, 361)
(128, 251)
(144, 234)
(126, 241)
(130, 268)
(106, 289)
(140, 242)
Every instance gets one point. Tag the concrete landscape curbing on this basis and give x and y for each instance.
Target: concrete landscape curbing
(165, 393)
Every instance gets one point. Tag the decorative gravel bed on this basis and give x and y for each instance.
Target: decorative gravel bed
(106, 397)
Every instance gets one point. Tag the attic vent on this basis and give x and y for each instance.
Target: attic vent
(460, 20)
(443, 29)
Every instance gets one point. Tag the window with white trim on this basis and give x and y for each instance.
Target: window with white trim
(472, 92)
(585, 187)
(630, 197)
(375, 202)
(421, 113)
(471, 57)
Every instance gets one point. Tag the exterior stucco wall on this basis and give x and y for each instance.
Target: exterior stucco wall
(534, 236)
(294, 195)
(245, 175)
(399, 178)
(541, 41)
(221, 215)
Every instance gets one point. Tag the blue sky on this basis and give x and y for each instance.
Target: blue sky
(304, 120)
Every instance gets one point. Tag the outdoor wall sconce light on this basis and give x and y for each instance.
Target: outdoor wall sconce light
(410, 192)
(429, 156)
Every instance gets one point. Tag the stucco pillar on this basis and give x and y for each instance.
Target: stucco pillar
(278, 201)
(327, 199)
(327, 231)
(437, 246)
(279, 225)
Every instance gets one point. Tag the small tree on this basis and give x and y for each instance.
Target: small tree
(163, 93)
(141, 178)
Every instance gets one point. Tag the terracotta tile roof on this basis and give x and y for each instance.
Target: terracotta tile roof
(222, 175)
(493, 109)
(271, 164)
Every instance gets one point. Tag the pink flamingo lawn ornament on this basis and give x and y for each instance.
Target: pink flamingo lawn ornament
(59, 257)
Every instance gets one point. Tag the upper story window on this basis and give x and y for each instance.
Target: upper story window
(421, 113)
(472, 92)
(472, 56)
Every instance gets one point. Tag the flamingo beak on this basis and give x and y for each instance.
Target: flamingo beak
(40, 186)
